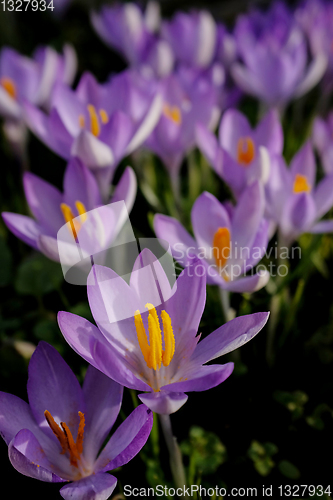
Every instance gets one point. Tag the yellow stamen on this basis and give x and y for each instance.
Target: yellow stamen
(245, 150)
(81, 211)
(94, 123)
(301, 184)
(70, 218)
(221, 246)
(82, 121)
(104, 116)
(142, 337)
(9, 86)
(173, 113)
(169, 339)
(153, 352)
(65, 437)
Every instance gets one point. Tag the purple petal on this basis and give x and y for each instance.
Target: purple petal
(248, 284)
(80, 185)
(118, 368)
(324, 226)
(207, 216)
(53, 386)
(15, 414)
(28, 458)
(103, 399)
(229, 337)
(164, 402)
(201, 378)
(269, 133)
(94, 487)
(234, 125)
(181, 243)
(298, 215)
(313, 75)
(44, 202)
(117, 133)
(80, 334)
(93, 152)
(127, 440)
(323, 196)
(126, 189)
(248, 215)
(304, 163)
(23, 227)
(207, 143)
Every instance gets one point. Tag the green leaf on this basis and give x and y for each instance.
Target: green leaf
(260, 454)
(205, 450)
(289, 470)
(38, 276)
(293, 401)
(6, 264)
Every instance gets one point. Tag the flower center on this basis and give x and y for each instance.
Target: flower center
(75, 224)
(301, 184)
(245, 151)
(95, 119)
(152, 351)
(221, 249)
(9, 86)
(173, 113)
(65, 437)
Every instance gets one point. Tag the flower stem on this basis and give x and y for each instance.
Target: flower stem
(175, 456)
(228, 312)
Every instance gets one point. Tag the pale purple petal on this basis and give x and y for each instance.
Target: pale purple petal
(80, 185)
(127, 440)
(53, 386)
(94, 487)
(23, 227)
(229, 337)
(304, 163)
(103, 399)
(248, 284)
(323, 196)
(324, 226)
(269, 133)
(200, 378)
(126, 189)
(234, 125)
(15, 414)
(28, 458)
(164, 402)
(93, 152)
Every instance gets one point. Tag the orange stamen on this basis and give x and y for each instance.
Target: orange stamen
(245, 150)
(9, 86)
(173, 113)
(301, 184)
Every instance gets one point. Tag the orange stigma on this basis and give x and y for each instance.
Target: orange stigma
(173, 113)
(95, 119)
(221, 248)
(75, 224)
(301, 184)
(65, 437)
(245, 151)
(9, 86)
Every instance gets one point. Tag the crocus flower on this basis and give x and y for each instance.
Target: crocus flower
(293, 200)
(173, 361)
(189, 97)
(241, 154)
(125, 28)
(24, 79)
(193, 37)
(229, 240)
(322, 139)
(57, 436)
(316, 19)
(52, 210)
(273, 51)
(100, 124)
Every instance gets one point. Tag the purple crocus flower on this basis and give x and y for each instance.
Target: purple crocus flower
(125, 28)
(52, 210)
(293, 201)
(100, 124)
(193, 38)
(316, 19)
(322, 139)
(189, 97)
(166, 369)
(241, 154)
(273, 50)
(24, 79)
(58, 435)
(229, 240)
